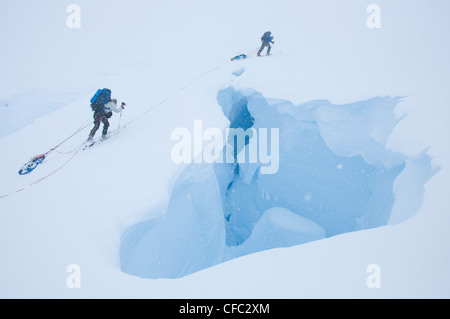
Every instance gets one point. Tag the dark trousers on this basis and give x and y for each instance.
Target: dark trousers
(100, 117)
(263, 45)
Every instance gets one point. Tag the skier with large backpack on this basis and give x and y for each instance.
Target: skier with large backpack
(266, 39)
(102, 105)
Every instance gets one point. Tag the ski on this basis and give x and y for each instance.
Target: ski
(265, 55)
(90, 144)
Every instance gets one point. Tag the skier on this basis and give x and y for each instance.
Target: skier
(266, 39)
(103, 111)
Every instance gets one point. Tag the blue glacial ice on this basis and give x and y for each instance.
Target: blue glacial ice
(334, 176)
(238, 72)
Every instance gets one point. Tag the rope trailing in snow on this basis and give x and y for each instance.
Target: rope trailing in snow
(42, 178)
(172, 95)
(76, 150)
(253, 51)
(66, 153)
(68, 138)
(65, 163)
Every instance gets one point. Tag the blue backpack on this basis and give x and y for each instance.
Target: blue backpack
(100, 98)
(266, 36)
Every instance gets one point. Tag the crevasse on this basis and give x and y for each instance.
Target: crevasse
(335, 176)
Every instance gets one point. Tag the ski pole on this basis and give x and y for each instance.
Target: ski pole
(120, 118)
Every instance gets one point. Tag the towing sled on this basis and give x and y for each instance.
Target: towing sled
(32, 164)
(239, 57)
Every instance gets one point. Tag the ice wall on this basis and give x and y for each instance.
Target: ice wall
(335, 175)
(189, 237)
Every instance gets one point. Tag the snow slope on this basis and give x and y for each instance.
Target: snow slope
(75, 210)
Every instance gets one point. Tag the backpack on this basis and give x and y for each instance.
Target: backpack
(266, 36)
(100, 98)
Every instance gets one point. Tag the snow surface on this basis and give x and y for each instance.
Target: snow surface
(373, 100)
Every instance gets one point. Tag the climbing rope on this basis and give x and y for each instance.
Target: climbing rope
(64, 164)
(253, 51)
(55, 149)
(68, 138)
(172, 95)
(66, 153)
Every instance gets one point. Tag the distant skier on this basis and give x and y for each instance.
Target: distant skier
(103, 105)
(266, 39)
